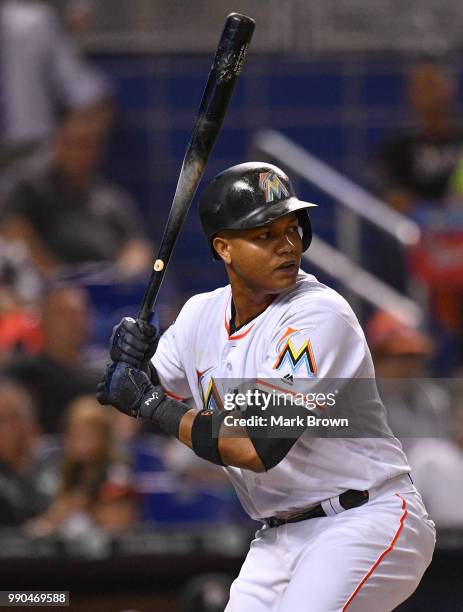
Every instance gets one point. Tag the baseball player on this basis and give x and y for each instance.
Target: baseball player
(343, 527)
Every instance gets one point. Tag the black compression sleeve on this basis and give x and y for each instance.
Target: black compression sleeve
(164, 411)
(274, 441)
(204, 435)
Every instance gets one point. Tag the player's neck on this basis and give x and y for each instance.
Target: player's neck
(248, 305)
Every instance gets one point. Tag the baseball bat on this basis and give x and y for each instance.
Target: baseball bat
(226, 67)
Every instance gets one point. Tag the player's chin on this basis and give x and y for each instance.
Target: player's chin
(285, 277)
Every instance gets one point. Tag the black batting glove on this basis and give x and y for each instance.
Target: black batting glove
(134, 342)
(130, 391)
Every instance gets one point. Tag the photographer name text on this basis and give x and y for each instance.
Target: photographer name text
(308, 420)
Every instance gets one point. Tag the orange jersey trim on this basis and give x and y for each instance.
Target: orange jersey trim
(239, 336)
(382, 555)
(227, 326)
(173, 396)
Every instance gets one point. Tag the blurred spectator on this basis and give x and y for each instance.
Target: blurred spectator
(20, 498)
(57, 373)
(76, 14)
(172, 486)
(194, 470)
(20, 288)
(437, 468)
(94, 488)
(41, 74)
(127, 431)
(416, 406)
(67, 214)
(456, 184)
(415, 166)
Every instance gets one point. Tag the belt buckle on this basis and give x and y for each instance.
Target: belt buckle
(272, 522)
(353, 499)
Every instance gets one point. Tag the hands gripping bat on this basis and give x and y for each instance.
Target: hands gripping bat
(228, 61)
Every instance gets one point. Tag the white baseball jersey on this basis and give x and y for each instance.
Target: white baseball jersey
(309, 332)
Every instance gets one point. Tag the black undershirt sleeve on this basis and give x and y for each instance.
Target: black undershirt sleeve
(268, 428)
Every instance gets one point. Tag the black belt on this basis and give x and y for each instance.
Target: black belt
(348, 499)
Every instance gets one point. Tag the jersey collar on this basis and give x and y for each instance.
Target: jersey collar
(246, 328)
(242, 331)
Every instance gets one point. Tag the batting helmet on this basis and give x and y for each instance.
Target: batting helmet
(250, 195)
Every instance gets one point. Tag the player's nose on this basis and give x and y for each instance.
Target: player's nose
(286, 244)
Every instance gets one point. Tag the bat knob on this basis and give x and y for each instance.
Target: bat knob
(241, 18)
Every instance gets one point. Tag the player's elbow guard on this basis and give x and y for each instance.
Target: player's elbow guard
(262, 449)
(271, 443)
(205, 435)
(208, 443)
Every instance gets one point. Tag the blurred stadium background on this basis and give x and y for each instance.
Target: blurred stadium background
(334, 92)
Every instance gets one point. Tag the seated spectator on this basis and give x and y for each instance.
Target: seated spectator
(94, 489)
(437, 468)
(415, 166)
(416, 406)
(20, 496)
(57, 373)
(67, 214)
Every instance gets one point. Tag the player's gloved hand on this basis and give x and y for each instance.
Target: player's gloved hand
(134, 342)
(130, 391)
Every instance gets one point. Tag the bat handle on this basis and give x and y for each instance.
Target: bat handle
(146, 310)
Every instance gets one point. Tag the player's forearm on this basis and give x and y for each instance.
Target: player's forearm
(130, 390)
(235, 452)
(184, 430)
(240, 452)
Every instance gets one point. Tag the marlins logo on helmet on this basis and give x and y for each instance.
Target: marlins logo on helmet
(272, 186)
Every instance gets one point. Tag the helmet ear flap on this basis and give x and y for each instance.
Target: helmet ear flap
(306, 226)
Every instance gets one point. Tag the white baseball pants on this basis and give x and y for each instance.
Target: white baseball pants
(367, 559)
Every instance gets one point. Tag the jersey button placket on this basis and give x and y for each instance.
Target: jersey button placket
(228, 366)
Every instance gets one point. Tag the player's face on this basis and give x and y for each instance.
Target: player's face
(265, 259)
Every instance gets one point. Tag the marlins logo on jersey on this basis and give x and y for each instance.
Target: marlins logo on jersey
(208, 390)
(295, 354)
(272, 186)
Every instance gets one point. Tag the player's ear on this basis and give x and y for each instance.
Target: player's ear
(222, 247)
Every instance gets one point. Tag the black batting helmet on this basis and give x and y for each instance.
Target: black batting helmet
(250, 195)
